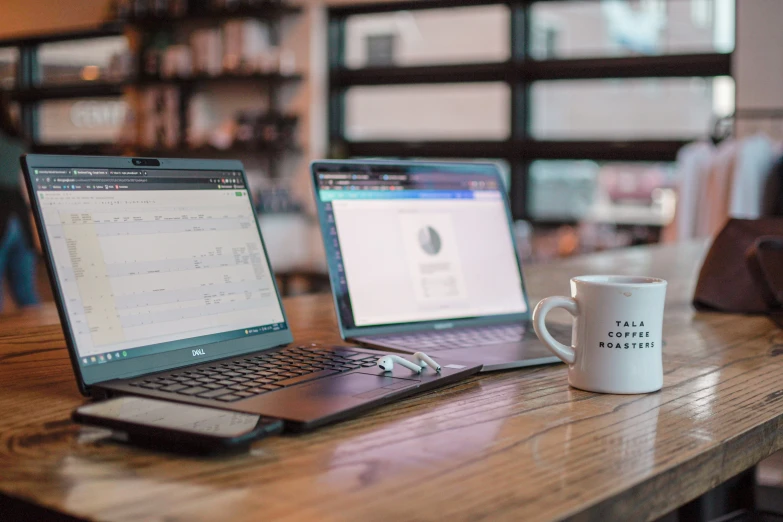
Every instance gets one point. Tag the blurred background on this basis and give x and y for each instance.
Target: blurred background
(614, 122)
(584, 105)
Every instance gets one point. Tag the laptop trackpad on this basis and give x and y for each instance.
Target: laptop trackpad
(323, 397)
(356, 385)
(500, 353)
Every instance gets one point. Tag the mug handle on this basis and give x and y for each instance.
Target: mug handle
(563, 352)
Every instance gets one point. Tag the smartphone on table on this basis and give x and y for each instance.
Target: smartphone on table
(172, 426)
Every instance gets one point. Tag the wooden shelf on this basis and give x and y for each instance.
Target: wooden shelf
(102, 31)
(212, 152)
(269, 11)
(29, 94)
(83, 149)
(111, 149)
(98, 89)
(270, 78)
(101, 89)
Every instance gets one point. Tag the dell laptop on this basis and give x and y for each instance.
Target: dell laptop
(422, 257)
(164, 289)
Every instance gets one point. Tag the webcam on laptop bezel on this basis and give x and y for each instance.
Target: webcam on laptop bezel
(146, 162)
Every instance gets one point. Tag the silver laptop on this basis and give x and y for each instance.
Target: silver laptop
(422, 258)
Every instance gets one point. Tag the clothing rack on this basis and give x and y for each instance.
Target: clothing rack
(725, 126)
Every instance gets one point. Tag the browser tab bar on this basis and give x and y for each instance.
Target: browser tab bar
(89, 172)
(51, 172)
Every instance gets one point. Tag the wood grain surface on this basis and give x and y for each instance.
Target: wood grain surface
(516, 445)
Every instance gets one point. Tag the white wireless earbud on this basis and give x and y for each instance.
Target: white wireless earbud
(426, 360)
(386, 363)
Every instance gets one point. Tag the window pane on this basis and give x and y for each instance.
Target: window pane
(608, 192)
(81, 120)
(646, 108)
(9, 57)
(456, 35)
(623, 28)
(104, 59)
(420, 112)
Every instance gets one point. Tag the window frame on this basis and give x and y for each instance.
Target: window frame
(519, 73)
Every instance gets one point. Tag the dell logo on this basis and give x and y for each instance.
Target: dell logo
(198, 352)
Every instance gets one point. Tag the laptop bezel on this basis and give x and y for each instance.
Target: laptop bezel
(233, 347)
(348, 332)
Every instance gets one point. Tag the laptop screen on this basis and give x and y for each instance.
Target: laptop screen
(418, 243)
(155, 267)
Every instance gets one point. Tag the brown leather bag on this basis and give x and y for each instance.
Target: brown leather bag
(743, 271)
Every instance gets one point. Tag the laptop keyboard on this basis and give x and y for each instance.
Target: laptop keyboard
(239, 379)
(434, 341)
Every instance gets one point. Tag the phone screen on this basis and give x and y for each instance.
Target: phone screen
(175, 416)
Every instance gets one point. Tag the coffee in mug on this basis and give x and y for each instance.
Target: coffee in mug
(617, 335)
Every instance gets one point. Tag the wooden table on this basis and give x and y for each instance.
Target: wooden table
(517, 445)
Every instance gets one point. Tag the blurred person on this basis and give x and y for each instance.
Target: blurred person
(17, 256)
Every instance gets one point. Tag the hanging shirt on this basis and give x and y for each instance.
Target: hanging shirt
(693, 164)
(715, 198)
(755, 158)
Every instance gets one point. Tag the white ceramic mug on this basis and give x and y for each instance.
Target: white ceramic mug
(617, 333)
